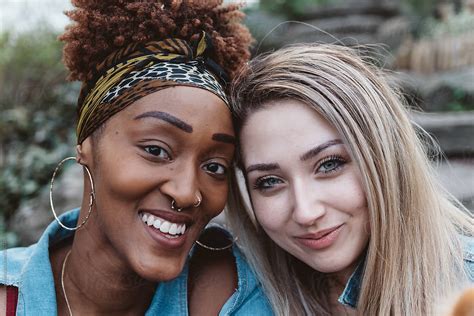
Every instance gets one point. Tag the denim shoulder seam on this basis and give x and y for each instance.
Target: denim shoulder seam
(14, 279)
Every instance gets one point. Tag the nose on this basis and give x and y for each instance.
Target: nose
(308, 203)
(182, 187)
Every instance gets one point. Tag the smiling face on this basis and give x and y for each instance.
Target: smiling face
(174, 144)
(305, 190)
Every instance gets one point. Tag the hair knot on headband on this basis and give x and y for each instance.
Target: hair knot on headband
(140, 69)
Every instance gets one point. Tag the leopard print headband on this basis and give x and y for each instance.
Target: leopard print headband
(141, 70)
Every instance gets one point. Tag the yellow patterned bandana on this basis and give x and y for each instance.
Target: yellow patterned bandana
(139, 70)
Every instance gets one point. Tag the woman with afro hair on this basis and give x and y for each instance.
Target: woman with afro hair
(156, 142)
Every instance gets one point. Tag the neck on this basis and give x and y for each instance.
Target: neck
(97, 280)
(337, 283)
(340, 279)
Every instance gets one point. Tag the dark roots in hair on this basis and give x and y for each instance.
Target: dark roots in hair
(101, 27)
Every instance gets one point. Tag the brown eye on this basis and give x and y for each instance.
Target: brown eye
(215, 168)
(157, 151)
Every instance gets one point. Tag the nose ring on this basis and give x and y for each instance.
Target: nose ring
(173, 206)
(179, 209)
(199, 200)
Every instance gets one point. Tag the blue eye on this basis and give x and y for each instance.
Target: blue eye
(157, 151)
(266, 183)
(215, 168)
(331, 164)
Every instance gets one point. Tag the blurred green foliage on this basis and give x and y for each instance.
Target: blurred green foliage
(421, 8)
(461, 23)
(458, 101)
(37, 108)
(292, 8)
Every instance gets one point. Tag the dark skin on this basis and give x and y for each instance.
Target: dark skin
(210, 270)
(140, 162)
(212, 280)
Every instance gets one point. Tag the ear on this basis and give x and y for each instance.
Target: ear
(84, 152)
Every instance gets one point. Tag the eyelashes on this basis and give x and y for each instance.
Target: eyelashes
(267, 182)
(326, 167)
(159, 154)
(330, 164)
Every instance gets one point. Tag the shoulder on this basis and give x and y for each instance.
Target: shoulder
(231, 283)
(16, 259)
(249, 298)
(468, 254)
(255, 303)
(13, 261)
(212, 280)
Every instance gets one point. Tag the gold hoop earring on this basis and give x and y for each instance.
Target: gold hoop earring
(216, 230)
(91, 196)
(216, 248)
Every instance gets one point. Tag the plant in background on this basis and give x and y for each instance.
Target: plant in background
(460, 101)
(291, 8)
(459, 24)
(420, 8)
(38, 115)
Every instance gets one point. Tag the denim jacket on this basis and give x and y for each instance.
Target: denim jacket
(350, 295)
(29, 269)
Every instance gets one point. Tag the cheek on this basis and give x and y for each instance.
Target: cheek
(120, 171)
(271, 213)
(119, 181)
(350, 196)
(355, 203)
(215, 198)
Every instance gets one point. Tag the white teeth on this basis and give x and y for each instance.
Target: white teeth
(150, 220)
(157, 223)
(165, 227)
(173, 229)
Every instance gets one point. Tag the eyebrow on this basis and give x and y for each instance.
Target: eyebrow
(225, 138)
(173, 120)
(262, 167)
(316, 150)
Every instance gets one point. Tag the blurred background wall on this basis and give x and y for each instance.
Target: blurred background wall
(428, 45)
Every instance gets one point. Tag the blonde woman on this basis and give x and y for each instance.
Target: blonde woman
(346, 215)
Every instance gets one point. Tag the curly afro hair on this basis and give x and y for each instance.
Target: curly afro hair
(101, 27)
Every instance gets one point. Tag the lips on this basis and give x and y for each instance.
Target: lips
(320, 233)
(163, 225)
(168, 229)
(174, 217)
(321, 239)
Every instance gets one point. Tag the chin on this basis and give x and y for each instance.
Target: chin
(333, 264)
(328, 268)
(160, 270)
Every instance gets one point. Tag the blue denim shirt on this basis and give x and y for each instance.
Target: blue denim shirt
(350, 295)
(29, 269)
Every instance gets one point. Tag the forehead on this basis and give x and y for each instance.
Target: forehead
(197, 107)
(284, 127)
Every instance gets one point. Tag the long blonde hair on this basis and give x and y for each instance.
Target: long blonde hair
(414, 256)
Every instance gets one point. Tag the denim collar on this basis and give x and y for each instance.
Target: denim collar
(29, 269)
(350, 295)
(37, 293)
